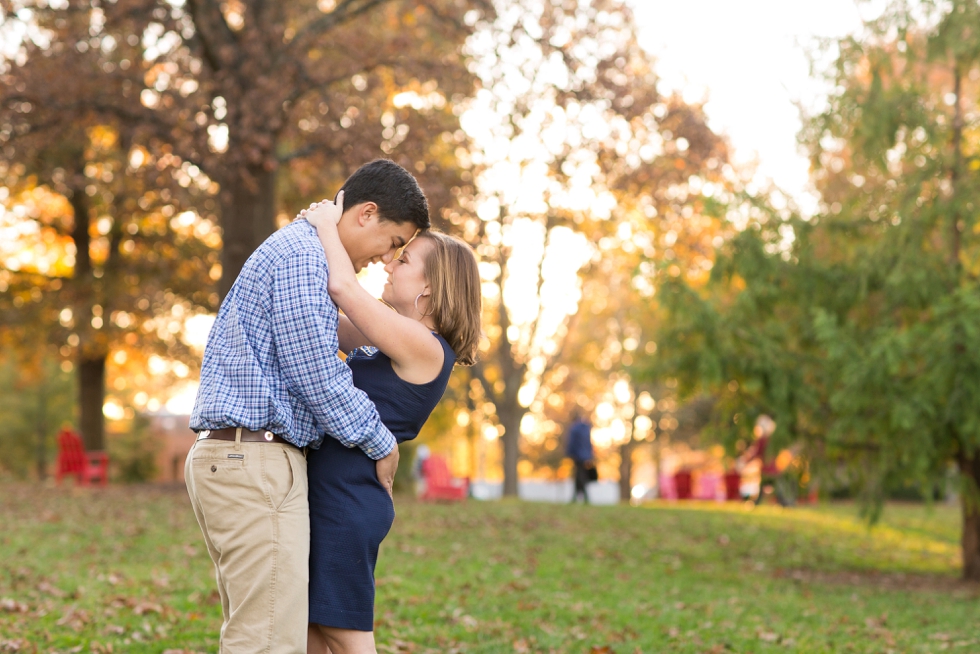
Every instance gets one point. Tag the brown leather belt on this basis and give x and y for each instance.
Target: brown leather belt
(248, 436)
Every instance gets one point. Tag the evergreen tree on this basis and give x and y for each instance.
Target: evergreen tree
(858, 328)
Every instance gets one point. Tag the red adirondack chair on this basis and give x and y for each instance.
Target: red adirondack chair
(88, 467)
(439, 482)
(733, 485)
(682, 482)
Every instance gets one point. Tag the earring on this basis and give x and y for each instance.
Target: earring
(424, 315)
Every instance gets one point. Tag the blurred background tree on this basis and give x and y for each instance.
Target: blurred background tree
(238, 89)
(35, 400)
(113, 115)
(577, 142)
(857, 329)
(108, 250)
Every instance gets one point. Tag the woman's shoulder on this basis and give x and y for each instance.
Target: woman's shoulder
(448, 351)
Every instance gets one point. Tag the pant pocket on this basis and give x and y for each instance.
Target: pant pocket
(281, 477)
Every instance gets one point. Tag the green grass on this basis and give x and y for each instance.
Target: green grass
(125, 570)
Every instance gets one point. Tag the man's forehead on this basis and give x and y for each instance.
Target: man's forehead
(402, 233)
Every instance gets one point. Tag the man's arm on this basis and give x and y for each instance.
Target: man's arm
(305, 330)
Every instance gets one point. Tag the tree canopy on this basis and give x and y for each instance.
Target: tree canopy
(856, 329)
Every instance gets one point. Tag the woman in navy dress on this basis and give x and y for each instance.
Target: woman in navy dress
(402, 359)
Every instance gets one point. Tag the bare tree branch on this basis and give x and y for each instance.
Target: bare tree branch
(478, 373)
(345, 11)
(213, 30)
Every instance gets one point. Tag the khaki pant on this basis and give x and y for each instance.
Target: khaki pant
(251, 502)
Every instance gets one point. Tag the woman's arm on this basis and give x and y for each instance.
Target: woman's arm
(349, 336)
(413, 351)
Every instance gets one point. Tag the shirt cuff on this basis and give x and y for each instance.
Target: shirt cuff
(380, 446)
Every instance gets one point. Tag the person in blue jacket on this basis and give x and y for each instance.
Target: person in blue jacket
(579, 450)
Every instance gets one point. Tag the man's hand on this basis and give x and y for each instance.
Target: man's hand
(386, 469)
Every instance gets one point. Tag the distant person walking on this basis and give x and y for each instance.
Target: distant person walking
(579, 450)
(769, 474)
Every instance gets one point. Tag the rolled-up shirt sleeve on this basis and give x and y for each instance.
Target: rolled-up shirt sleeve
(304, 322)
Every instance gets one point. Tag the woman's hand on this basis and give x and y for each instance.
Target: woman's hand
(324, 212)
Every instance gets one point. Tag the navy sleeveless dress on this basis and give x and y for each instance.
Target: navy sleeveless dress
(350, 511)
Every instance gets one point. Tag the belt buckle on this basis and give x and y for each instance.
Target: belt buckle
(203, 434)
(269, 436)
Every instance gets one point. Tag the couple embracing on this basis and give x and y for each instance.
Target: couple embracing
(291, 475)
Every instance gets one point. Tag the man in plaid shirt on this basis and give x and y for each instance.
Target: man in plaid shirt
(271, 385)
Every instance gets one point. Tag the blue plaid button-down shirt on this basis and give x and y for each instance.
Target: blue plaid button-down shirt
(271, 357)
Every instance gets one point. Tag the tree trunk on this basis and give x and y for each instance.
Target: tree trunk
(41, 452)
(626, 470)
(91, 366)
(248, 217)
(970, 501)
(91, 396)
(658, 460)
(969, 464)
(79, 233)
(510, 418)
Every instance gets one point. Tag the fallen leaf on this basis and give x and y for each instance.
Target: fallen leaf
(48, 589)
(147, 607)
(74, 618)
(12, 606)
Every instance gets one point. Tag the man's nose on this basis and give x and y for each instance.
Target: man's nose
(388, 257)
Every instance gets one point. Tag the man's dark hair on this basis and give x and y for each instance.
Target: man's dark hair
(392, 188)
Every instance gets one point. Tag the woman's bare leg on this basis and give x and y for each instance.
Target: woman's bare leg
(316, 643)
(347, 641)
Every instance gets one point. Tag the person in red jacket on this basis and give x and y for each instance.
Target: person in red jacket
(763, 430)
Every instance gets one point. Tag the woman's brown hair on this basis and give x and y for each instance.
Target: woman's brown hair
(456, 300)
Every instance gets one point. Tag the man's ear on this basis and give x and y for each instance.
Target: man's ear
(367, 212)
